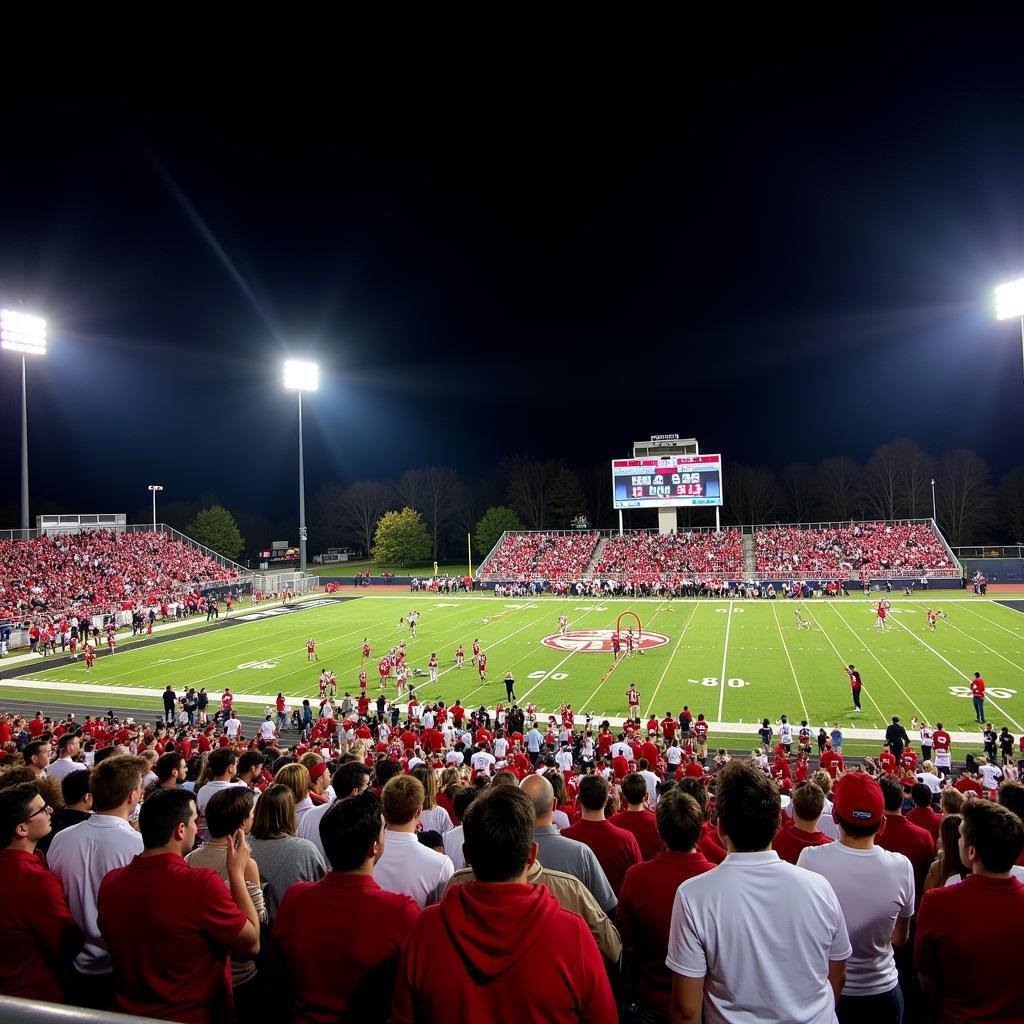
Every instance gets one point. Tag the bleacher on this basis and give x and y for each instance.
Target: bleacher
(539, 555)
(654, 556)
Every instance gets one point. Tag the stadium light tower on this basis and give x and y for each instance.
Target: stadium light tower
(153, 489)
(300, 376)
(26, 335)
(1010, 305)
(934, 518)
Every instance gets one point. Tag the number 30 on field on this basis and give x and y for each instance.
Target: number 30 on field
(713, 681)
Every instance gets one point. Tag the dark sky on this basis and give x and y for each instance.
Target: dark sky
(784, 246)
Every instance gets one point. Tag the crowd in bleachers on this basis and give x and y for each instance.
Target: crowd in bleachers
(525, 870)
(647, 557)
(63, 574)
(541, 556)
(875, 549)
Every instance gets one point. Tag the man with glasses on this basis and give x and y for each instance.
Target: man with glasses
(38, 936)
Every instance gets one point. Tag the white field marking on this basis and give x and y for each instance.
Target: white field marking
(1019, 668)
(963, 675)
(992, 622)
(840, 657)
(671, 659)
(881, 664)
(725, 654)
(785, 647)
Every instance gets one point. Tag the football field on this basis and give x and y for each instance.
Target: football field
(735, 662)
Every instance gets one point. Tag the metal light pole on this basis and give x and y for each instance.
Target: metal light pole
(301, 376)
(153, 489)
(1010, 306)
(934, 518)
(26, 335)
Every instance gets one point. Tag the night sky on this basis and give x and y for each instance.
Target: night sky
(786, 249)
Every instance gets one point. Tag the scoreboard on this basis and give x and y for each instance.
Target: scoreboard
(669, 480)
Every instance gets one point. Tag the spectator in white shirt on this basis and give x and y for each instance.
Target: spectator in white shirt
(651, 779)
(296, 778)
(233, 727)
(406, 865)
(267, 729)
(81, 857)
(351, 779)
(453, 837)
(991, 775)
(68, 747)
(564, 758)
(482, 760)
(716, 966)
(222, 765)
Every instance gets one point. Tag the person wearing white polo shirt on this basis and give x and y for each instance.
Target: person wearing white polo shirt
(875, 888)
(721, 961)
(68, 747)
(350, 779)
(406, 865)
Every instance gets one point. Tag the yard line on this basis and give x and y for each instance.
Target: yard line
(839, 656)
(725, 654)
(670, 660)
(992, 622)
(785, 647)
(963, 675)
(982, 643)
(881, 664)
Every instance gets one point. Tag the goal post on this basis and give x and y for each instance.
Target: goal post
(625, 615)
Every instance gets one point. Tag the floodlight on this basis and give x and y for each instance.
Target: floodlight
(300, 376)
(22, 333)
(1010, 300)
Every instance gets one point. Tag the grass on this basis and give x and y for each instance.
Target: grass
(769, 667)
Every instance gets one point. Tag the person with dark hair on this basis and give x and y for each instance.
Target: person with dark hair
(68, 748)
(83, 855)
(636, 819)
(453, 838)
(922, 814)
(458, 966)
(616, 849)
(36, 756)
(183, 977)
(74, 788)
(350, 779)
(644, 913)
(716, 966)
(901, 836)
(249, 768)
(38, 936)
(352, 836)
(954, 967)
(875, 888)
(170, 771)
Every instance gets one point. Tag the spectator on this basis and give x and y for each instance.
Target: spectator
(875, 888)
(228, 814)
(406, 866)
(296, 777)
(947, 864)
(180, 976)
(83, 855)
(77, 807)
(790, 842)
(283, 857)
(559, 853)
(954, 967)
(38, 936)
(922, 814)
(636, 819)
(615, 848)
(644, 915)
(458, 967)
(432, 816)
(351, 779)
(36, 755)
(716, 966)
(68, 748)
(900, 836)
(453, 838)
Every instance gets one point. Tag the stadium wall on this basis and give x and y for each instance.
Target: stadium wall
(996, 570)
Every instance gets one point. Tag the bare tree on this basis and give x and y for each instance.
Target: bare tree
(839, 478)
(965, 498)
(752, 495)
(358, 508)
(914, 469)
(529, 488)
(801, 485)
(1011, 504)
(597, 486)
(432, 492)
(880, 483)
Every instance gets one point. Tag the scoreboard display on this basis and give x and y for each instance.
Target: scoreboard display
(677, 480)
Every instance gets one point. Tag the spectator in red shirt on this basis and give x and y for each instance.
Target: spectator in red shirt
(182, 973)
(808, 803)
(710, 844)
(458, 966)
(901, 836)
(39, 938)
(644, 913)
(831, 761)
(922, 814)
(615, 849)
(637, 819)
(955, 969)
(352, 833)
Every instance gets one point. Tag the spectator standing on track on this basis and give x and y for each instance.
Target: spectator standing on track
(978, 697)
(715, 964)
(897, 738)
(875, 888)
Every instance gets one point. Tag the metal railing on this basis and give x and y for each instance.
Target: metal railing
(991, 551)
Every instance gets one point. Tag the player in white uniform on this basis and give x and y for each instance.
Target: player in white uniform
(460, 656)
(563, 622)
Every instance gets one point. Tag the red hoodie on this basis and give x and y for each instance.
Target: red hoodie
(472, 956)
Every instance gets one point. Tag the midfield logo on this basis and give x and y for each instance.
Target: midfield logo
(599, 641)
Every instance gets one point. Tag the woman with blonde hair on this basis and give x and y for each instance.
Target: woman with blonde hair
(434, 817)
(283, 857)
(296, 778)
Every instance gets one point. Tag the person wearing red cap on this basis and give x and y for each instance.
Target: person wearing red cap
(954, 967)
(875, 888)
(458, 966)
(353, 837)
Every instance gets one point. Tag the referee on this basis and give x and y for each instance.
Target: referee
(510, 686)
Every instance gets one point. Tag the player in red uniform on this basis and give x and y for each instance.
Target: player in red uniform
(332, 686)
(476, 650)
(460, 656)
(366, 648)
(112, 642)
(90, 655)
(311, 650)
(481, 664)
(932, 616)
(432, 666)
(74, 646)
(633, 700)
(323, 684)
(880, 613)
(630, 643)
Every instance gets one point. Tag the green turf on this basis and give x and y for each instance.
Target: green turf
(769, 666)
